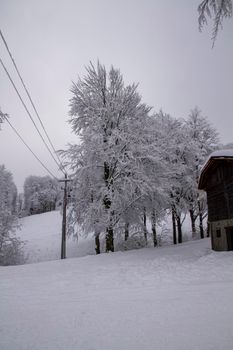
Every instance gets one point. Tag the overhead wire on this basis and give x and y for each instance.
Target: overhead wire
(28, 147)
(29, 114)
(59, 162)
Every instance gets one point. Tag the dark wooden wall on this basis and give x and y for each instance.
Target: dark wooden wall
(220, 191)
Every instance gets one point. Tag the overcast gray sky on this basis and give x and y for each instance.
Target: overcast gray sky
(154, 42)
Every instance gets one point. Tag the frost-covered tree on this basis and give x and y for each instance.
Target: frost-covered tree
(113, 164)
(175, 151)
(186, 144)
(154, 201)
(10, 245)
(218, 9)
(203, 139)
(40, 194)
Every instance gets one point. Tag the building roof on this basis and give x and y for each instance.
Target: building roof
(211, 163)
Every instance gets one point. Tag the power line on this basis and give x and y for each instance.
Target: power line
(29, 114)
(32, 103)
(63, 237)
(28, 147)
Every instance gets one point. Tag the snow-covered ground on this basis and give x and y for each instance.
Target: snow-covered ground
(169, 298)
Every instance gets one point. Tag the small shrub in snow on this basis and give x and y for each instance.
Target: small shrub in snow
(12, 252)
(133, 242)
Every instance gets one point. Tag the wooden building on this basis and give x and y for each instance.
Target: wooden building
(217, 180)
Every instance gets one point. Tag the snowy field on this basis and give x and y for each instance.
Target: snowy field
(42, 236)
(169, 298)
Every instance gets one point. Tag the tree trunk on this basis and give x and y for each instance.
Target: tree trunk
(97, 243)
(192, 218)
(179, 228)
(174, 225)
(109, 240)
(201, 226)
(144, 225)
(153, 223)
(126, 231)
(107, 205)
(200, 220)
(208, 230)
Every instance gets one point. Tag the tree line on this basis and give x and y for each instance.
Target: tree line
(41, 194)
(127, 166)
(131, 165)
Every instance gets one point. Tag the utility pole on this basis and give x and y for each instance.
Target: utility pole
(63, 236)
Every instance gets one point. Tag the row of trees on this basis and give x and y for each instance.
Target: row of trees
(129, 164)
(41, 194)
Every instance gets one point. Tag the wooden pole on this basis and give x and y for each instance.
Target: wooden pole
(63, 236)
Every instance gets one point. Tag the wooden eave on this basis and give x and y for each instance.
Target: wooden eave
(212, 164)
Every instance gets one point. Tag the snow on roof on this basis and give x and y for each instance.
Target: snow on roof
(224, 153)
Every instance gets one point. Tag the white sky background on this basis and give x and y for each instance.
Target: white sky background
(153, 42)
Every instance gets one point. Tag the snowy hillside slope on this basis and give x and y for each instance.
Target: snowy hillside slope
(169, 298)
(42, 234)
